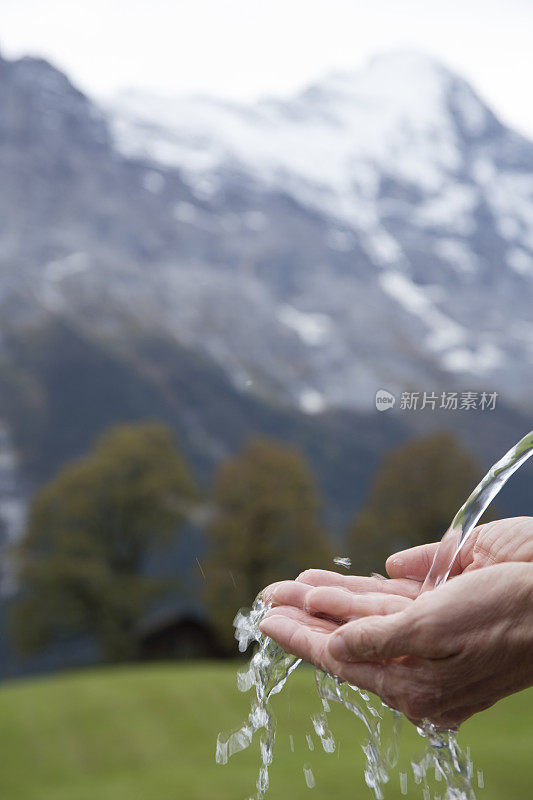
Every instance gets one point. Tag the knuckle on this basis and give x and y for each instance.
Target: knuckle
(313, 598)
(323, 659)
(324, 598)
(364, 643)
(427, 633)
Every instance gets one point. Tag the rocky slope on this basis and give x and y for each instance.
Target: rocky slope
(403, 251)
(374, 231)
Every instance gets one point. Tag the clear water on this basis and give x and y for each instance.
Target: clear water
(470, 513)
(343, 562)
(267, 673)
(270, 667)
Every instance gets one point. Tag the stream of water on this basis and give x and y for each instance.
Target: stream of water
(270, 667)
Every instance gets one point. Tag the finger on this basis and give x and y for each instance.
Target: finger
(502, 540)
(342, 604)
(499, 541)
(376, 638)
(356, 583)
(299, 615)
(268, 591)
(307, 638)
(304, 639)
(335, 602)
(413, 563)
(290, 593)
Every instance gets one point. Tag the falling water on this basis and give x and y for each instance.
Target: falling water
(270, 668)
(456, 769)
(267, 672)
(469, 514)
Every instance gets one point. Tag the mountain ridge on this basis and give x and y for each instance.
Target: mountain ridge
(438, 203)
(300, 304)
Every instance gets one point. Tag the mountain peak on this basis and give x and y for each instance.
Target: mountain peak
(409, 60)
(406, 89)
(404, 114)
(388, 64)
(49, 104)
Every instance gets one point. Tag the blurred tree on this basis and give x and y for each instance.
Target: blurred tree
(414, 496)
(265, 528)
(89, 530)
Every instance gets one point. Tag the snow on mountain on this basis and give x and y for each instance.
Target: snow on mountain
(404, 117)
(413, 176)
(394, 113)
(373, 230)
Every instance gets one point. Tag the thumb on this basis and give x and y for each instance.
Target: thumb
(375, 638)
(413, 563)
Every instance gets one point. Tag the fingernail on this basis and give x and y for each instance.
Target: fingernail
(394, 564)
(338, 649)
(268, 593)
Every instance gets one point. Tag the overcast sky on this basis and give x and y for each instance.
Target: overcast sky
(246, 48)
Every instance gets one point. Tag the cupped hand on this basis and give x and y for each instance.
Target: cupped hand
(445, 655)
(320, 610)
(501, 541)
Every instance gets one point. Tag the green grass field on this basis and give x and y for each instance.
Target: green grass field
(148, 733)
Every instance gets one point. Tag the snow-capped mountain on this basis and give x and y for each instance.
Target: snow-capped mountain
(404, 116)
(376, 230)
(422, 202)
(191, 260)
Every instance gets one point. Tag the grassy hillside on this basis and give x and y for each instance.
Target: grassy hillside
(148, 733)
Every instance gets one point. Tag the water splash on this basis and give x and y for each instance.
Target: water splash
(267, 672)
(309, 776)
(380, 755)
(343, 562)
(270, 667)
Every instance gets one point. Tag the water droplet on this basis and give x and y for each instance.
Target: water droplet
(221, 754)
(403, 782)
(480, 779)
(309, 777)
(343, 562)
(324, 734)
(244, 680)
(310, 742)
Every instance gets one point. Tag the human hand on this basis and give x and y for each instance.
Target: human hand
(445, 655)
(501, 541)
(504, 540)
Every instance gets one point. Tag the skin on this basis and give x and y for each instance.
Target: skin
(443, 654)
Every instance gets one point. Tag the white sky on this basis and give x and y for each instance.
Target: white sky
(246, 48)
